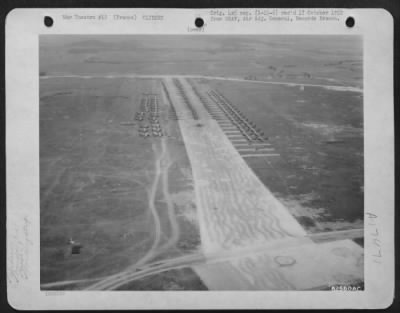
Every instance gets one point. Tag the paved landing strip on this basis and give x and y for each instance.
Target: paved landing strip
(303, 266)
(237, 211)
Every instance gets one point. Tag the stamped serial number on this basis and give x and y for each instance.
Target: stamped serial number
(346, 288)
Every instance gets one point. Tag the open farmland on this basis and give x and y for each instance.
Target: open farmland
(99, 179)
(211, 174)
(335, 60)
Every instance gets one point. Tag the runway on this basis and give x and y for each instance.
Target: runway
(236, 211)
(235, 208)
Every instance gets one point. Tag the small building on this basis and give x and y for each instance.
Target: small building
(75, 246)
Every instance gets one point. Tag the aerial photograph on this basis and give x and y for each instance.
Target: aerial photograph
(201, 162)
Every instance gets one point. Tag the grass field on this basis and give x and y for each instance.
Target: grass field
(130, 200)
(95, 178)
(319, 59)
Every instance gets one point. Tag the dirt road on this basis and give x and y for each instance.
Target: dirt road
(224, 78)
(162, 164)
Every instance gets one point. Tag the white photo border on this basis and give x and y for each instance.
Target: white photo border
(23, 28)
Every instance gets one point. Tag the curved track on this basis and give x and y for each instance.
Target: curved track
(156, 218)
